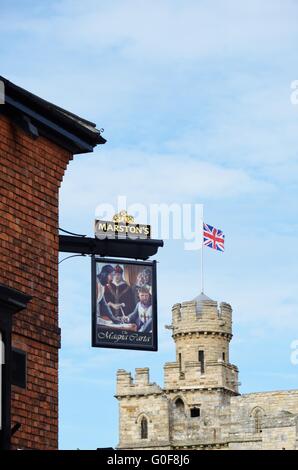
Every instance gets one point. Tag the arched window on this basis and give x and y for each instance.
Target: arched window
(179, 404)
(144, 428)
(257, 415)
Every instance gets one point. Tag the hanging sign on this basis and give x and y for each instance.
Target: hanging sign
(122, 226)
(124, 304)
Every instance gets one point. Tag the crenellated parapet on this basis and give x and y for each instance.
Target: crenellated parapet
(197, 385)
(202, 317)
(199, 406)
(202, 330)
(139, 385)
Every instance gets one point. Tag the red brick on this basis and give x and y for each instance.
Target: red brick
(31, 174)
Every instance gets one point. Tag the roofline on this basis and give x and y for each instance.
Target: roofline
(40, 117)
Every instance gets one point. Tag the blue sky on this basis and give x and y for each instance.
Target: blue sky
(194, 97)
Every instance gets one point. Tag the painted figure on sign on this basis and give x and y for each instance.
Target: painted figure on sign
(142, 314)
(144, 279)
(118, 294)
(103, 310)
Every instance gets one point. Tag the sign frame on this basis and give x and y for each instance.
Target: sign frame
(111, 230)
(104, 344)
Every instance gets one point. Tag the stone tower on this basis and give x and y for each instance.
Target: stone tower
(199, 406)
(197, 386)
(202, 331)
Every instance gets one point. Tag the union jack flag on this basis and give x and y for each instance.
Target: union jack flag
(213, 237)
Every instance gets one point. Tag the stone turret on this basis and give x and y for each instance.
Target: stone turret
(198, 386)
(199, 406)
(202, 331)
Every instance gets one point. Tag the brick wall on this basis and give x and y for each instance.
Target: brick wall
(31, 171)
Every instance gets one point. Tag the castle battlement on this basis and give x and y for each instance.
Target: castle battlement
(140, 385)
(202, 317)
(199, 406)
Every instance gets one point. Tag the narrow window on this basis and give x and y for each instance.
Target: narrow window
(144, 428)
(258, 417)
(224, 356)
(19, 371)
(180, 363)
(195, 412)
(202, 361)
(179, 405)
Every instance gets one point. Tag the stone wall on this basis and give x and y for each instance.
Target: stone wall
(278, 412)
(201, 326)
(140, 399)
(202, 409)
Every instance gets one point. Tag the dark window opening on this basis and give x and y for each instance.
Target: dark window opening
(195, 412)
(224, 356)
(181, 373)
(258, 421)
(179, 405)
(202, 361)
(19, 372)
(144, 428)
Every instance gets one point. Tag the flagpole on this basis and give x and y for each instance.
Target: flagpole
(202, 258)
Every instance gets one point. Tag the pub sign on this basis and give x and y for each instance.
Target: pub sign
(124, 304)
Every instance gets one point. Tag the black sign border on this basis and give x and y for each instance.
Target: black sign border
(152, 264)
(113, 235)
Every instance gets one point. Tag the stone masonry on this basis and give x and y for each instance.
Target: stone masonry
(199, 406)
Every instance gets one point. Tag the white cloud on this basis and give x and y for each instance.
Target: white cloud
(168, 29)
(136, 66)
(251, 125)
(195, 99)
(150, 178)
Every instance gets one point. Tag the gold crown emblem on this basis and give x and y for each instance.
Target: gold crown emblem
(123, 217)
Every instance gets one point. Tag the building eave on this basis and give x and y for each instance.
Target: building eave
(41, 117)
